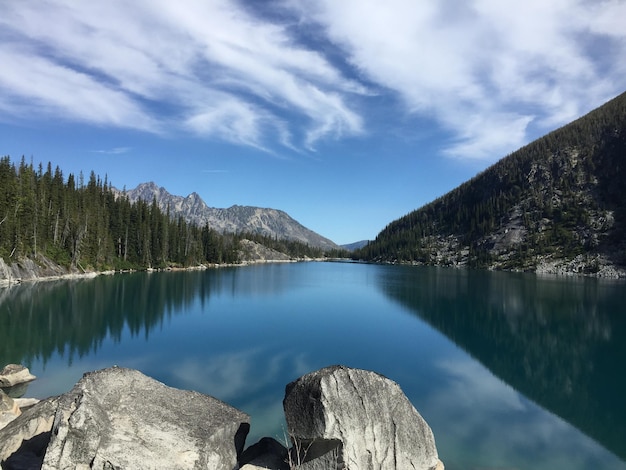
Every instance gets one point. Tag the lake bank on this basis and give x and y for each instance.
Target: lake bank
(27, 270)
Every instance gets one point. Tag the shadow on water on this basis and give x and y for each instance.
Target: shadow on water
(559, 341)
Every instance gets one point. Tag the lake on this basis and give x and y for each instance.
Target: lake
(511, 370)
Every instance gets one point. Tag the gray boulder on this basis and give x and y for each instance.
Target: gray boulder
(9, 409)
(342, 418)
(14, 374)
(121, 419)
(23, 441)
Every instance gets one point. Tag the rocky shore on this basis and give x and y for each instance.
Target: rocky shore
(27, 270)
(14, 380)
(116, 418)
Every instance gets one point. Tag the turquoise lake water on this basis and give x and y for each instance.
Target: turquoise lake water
(511, 371)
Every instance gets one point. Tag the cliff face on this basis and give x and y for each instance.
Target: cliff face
(556, 205)
(28, 269)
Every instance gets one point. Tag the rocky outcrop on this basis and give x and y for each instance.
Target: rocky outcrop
(354, 419)
(24, 269)
(15, 374)
(9, 409)
(337, 417)
(255, 252)
(14, 380)
(119, 418)
(23, 441)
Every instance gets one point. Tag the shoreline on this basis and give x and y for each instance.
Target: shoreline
(7, 282)
(13, 281)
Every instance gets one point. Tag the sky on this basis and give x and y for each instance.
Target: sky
(345, 114)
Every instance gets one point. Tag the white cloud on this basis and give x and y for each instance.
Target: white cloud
(486, 411)
(494, 75)
(35, 86)
(113, 151)
(485, 69)
(209, 67)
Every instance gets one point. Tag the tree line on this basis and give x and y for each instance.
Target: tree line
(86, 225)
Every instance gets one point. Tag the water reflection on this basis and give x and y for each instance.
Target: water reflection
(560, 342)
(73, 317)
(242, 334)
(488, 424)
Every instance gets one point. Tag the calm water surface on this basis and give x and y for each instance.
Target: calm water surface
(511, 371)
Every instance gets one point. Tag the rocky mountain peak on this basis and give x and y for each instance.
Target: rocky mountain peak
(236, 218)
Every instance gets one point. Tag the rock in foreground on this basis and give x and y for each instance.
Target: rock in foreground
(338, 419)
(342, 418)
(119, 418)
(15, 374)
(9, 409)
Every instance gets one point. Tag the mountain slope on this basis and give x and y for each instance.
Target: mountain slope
(556, 205)
(355, 245)
(268, 222)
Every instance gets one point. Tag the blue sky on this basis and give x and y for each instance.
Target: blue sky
(345, 114)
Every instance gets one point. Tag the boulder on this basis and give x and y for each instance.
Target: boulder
(353, 419)
(14, 374)
(337, 418)
(23, 441)
(119, 418)
(9, 409)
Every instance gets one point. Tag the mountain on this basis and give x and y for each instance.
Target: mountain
(556, 205)
(267, 222)
(355, 245)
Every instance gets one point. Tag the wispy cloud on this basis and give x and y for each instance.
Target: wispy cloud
(113, 151)
(485, 69)
(210, 68)
(291, 74)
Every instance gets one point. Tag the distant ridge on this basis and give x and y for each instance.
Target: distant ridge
(355, 245)
(557, 205)
(263, 221)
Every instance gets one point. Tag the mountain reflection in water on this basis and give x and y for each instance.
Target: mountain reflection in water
(559, 341)
(453, 339)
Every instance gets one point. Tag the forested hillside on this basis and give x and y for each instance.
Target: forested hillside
(557, 204)
(83, 225)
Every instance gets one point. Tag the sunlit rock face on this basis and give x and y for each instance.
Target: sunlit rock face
(340, 417)
(120, 418)
(14, 374)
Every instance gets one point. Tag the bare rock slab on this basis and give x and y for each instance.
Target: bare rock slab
(24, 440)
(343, 418)
(9, 409)
(121, 419)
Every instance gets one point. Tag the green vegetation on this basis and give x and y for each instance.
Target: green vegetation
(556, 198)
(86, 226)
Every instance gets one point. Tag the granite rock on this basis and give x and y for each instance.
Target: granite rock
(343, 418)
(121, 419)
(14, 374)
